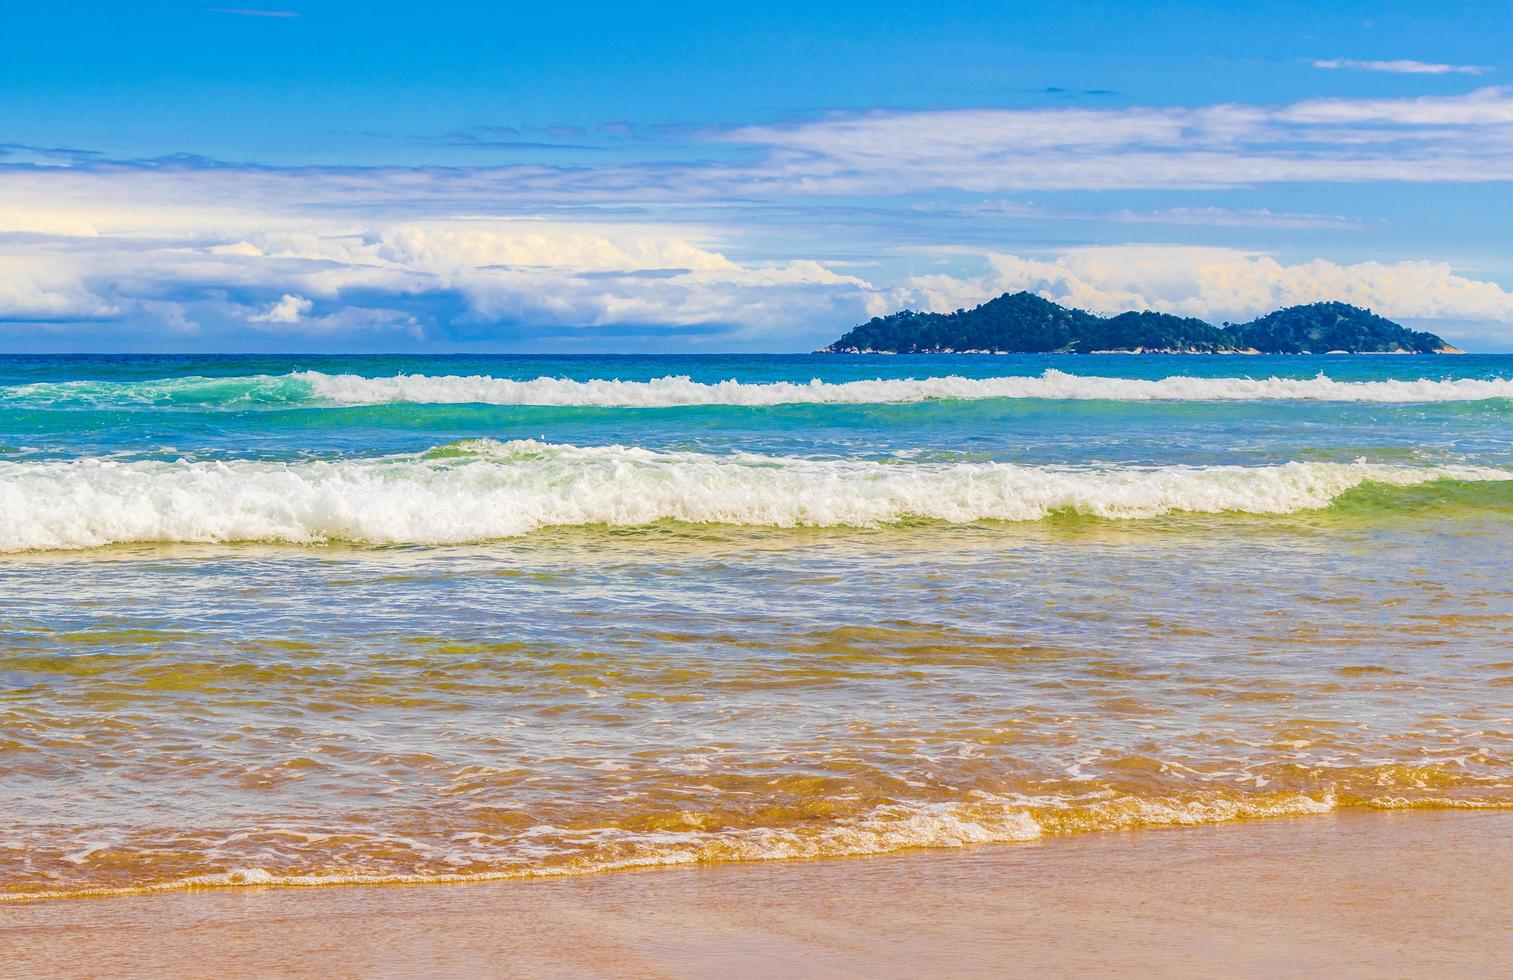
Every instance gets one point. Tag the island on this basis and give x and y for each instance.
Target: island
(1023, 323)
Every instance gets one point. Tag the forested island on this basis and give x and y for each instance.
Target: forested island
(1023, 323)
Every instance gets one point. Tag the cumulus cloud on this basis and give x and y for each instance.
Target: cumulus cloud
(36, 285)
(288, 309)
(439, 279)
(558, 275)
(470, 279)
(1221, 284)
(348, 321)
(1402, 66)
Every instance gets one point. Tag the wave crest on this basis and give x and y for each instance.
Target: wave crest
(317, 389)
(483, 489)
(669, 392)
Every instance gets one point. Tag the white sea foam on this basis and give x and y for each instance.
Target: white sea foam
(889, 828)
(350, 389)
(483, 489)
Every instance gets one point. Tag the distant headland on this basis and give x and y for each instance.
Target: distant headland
(1023, 323)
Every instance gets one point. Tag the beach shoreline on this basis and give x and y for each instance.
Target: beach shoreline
(1353, 894)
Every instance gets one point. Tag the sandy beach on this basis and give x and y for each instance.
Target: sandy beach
(1421, 894)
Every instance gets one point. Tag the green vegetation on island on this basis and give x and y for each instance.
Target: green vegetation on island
(1023, 323)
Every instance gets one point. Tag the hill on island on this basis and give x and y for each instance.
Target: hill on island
(1023, 323)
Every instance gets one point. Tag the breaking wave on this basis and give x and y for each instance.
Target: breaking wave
(484, 489)
(1052, 384)
(315, 389)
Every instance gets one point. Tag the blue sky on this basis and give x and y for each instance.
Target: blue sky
(314, 176)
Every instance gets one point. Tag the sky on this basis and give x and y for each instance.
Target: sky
(309, 176)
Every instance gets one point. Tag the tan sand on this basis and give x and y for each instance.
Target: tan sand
(1381, 895)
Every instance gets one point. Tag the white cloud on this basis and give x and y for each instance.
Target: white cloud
(1221, 284)
(289, 309)
(1441, 139)
(1486, 107)
(481, 272)
(1233, 218)
(1402, 66)
(1212, 217)
(750, 301)
(1448, 138)
(348, 320)
(448, 248)
(556, 274)
(35, 285)
(571, 278)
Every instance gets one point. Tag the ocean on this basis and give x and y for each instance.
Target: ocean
(312, 620)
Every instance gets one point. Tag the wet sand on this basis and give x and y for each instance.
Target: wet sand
(1409, 894)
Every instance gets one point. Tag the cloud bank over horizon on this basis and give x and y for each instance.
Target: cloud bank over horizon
(1221, 284)
(774, 235)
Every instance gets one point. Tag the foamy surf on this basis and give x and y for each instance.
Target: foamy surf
(670, 392)
(317, 389)
(887, 829)
(482, 490)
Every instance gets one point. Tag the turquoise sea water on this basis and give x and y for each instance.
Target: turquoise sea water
(317, 619)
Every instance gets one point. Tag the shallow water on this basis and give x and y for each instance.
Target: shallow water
(252, 639)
